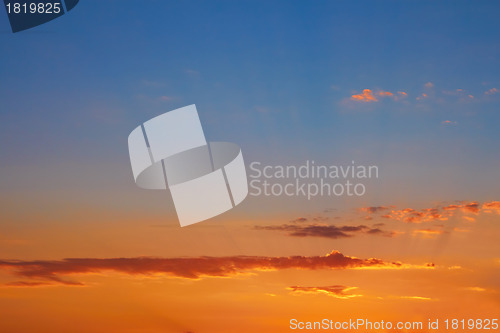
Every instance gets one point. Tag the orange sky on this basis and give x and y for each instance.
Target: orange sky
(393, 263)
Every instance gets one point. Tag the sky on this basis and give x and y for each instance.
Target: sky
(409, 86)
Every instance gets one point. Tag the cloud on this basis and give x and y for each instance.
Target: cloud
(429, 85)
(410, 215)
(471, 207)
(460, 93)
(435, 214)
(421, 97)
(492, 91)
(373, 209)
(418, 298)
(370, 96)
(490, 207)
(427, 233)
(326, 231)
(38, 272)
(166, 98)
(333, 291)
(449, 122)
(366, 96)
(477, 289)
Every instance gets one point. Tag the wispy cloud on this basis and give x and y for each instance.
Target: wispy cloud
(427, 233)
(438, 213)
(326, 230)
(417, 298)
(492, 91)
(374, 209)
(336, 291)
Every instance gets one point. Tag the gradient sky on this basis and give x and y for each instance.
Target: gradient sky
(410, 86)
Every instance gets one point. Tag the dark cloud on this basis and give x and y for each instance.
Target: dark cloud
(36, 273)
(325, 231)
(373, 209)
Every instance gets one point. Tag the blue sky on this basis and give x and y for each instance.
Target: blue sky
(274, 76)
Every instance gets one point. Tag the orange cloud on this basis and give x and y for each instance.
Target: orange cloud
(490, 207)
(56, 272)
(427, 233)
(411, 215)
(492, 91)
(369, 96)
(471, 207)
(440, 213)
(333, 291)
(366, 96)
(429, 85)
(418, 298)
(421, 97)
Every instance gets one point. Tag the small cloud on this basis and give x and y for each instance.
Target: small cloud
(456, 267)
(429, 85)
(449, 122)
(421, 97)
(373, 209)
(166, 98)
(192, 72)
(477, 289)
(400, 95)
(418, 298)
(366, 96)
(469, 218)
(333, 291)
(427, 233)
(492, 91)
